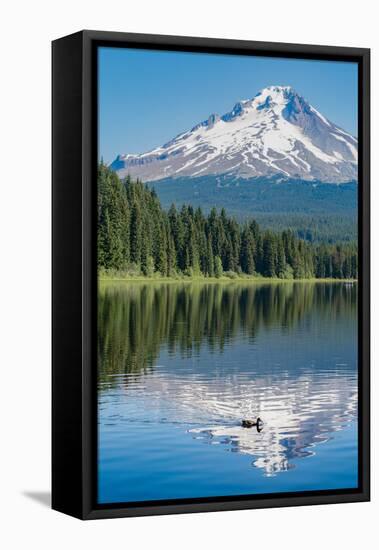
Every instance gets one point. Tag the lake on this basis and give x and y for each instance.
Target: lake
(181, 364)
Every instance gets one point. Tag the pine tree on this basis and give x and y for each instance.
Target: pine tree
(269, 255)
(112, 221)
(135, 235)
(281, 260)
(161, 260)
(135, 231)
(247, 251)
(171, 255)
(218, 267)
(177, 232)
(209, 266)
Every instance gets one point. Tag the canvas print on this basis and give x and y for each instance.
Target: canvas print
(227, 265)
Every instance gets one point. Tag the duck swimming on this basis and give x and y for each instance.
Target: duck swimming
(258, 423)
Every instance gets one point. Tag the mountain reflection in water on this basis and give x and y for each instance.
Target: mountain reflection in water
(201, 357)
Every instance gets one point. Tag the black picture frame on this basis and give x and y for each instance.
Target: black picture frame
(74, 295)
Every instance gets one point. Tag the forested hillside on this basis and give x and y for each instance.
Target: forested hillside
(315, 211)
(136, 235)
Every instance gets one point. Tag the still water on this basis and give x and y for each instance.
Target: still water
(181, 364)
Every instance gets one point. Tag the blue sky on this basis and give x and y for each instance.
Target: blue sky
(148, 97)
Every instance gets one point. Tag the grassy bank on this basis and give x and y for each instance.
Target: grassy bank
(104, 278)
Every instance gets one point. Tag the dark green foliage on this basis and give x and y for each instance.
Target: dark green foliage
(135, 234)
(316, 212)
(248, 250)
(218, 267)
(269, 255)
(113, 221)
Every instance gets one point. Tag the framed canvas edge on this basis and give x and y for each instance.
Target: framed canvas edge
(90, 40)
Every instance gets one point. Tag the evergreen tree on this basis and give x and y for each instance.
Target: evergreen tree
(269, 255)
(209, 265)
(281, 260)
(218, 267)
(161, 259)
(113, 221)
(134, 232)
(247, 251)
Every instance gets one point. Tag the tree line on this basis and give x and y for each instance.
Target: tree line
(136, 235)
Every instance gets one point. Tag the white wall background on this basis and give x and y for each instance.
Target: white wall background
(27, 29)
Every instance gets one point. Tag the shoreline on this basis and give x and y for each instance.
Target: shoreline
(215, 280)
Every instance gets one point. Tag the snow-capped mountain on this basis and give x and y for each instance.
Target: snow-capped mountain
(277, 132)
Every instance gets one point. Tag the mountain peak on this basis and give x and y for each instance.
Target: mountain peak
(277, 132)
(271, 97)
(277, 90)
(276, 95)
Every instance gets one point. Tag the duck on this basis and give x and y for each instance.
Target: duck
(258, 423)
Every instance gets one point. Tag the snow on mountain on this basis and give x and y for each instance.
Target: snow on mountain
(277, 132)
